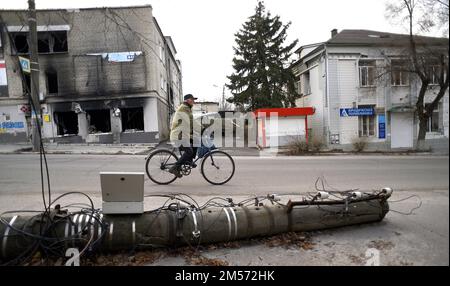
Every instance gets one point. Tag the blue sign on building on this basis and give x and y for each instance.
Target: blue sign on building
(12, 125)
(25, 64)
(346, 112)
(381, 126)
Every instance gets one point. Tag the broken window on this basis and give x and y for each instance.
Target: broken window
(52, 42)
(26, 83)
(20, 41)
(48, 42)
(43, 42)
(52, 82)
(66, 122)
(59, 41)
(132, 119)
(99, 121)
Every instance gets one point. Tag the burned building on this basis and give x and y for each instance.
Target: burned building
(107, 75)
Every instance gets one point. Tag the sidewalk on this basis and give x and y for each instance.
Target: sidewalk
(15, 148)
(110, 149)
(97, 149)
(144, 149)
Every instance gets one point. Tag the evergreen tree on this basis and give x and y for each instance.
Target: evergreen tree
(263, 77)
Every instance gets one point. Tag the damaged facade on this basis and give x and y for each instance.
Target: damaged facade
(343, 80)
(107, 75)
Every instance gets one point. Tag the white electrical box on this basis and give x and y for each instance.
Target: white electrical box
(122, 192)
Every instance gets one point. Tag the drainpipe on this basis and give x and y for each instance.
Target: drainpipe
(327, 94)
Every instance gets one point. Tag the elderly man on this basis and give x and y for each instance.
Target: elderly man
(182, 133)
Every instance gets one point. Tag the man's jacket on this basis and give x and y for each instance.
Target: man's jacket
(183, 124)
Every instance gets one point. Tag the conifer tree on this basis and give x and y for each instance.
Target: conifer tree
(262, 77)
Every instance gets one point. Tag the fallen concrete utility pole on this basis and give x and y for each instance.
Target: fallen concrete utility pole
(183, 224)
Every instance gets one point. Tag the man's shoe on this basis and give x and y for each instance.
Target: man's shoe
(193, 165)
(176, 171)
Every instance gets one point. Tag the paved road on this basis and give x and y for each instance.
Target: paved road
(254, 175)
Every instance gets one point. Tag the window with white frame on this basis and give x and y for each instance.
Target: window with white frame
(433, 121)
(399, 73)
(306, 87)
(162, 52)
(367, 73)
(367, 124)
(434, 74)
(297, 85)
(163, 83)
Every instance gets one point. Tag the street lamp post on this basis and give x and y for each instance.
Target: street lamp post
(222, 105)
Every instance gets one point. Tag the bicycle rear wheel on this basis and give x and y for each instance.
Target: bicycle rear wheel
(158, 164)
(217, 167)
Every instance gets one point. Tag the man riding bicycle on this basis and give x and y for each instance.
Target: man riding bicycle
(182, 133)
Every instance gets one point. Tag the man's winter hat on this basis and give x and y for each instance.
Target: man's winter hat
(189, 96)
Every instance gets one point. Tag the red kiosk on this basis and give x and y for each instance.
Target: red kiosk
(278, 126)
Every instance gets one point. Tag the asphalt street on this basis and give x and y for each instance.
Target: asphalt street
(254, 175)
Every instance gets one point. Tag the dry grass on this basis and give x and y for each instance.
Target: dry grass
(191, 256)
(359, 144)
(290, 239)
(201, 260)
(316, 144)
(297, 147)
(381, 244)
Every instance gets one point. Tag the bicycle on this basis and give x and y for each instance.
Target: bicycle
(217, 167)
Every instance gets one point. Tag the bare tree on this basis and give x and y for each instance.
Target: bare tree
(426, 60)
(440, 11)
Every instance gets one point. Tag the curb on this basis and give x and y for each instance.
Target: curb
(145, 152)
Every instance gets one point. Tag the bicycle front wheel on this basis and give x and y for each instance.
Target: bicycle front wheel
(217, 167)
(158, 164)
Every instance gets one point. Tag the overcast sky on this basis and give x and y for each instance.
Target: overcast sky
(203, 30)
